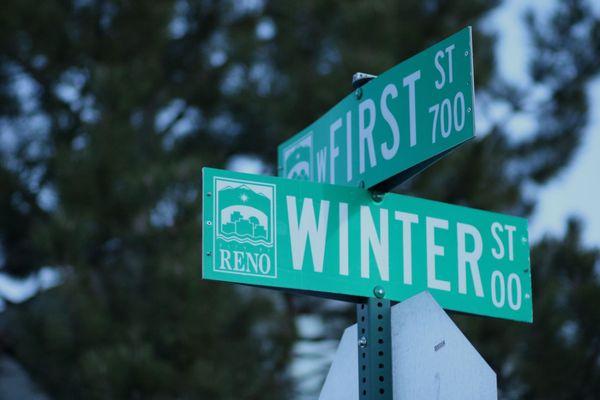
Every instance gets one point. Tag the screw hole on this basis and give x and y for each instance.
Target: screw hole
(380, 353)
(380, 341)
(379, 316)
(381, 391)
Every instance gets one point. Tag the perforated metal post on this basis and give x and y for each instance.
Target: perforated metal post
(373, 322)
(374, 350)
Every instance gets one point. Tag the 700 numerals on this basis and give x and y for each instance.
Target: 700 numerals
(450, 114)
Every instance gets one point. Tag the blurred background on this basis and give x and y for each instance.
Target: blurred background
(109, 109)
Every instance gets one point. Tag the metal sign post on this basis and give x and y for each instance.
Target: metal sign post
(374, 349)
(373, 323)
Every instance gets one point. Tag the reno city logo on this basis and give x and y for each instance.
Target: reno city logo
(297, 159)
(245, 228)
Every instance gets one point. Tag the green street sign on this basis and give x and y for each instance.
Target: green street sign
(339, 240)
(392, 127)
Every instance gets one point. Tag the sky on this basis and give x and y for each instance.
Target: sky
(571, 193)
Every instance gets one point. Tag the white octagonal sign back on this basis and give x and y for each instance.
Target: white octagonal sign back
(431, 358)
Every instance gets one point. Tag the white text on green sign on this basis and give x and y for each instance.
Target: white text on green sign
(404, 119)
(299, 235)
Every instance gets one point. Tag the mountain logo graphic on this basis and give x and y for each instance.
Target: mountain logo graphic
(297, 159)
(245, 227)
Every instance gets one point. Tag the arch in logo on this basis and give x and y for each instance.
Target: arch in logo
(298, 159)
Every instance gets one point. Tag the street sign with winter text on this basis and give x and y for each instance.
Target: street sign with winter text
(392, 127)
(339, 240)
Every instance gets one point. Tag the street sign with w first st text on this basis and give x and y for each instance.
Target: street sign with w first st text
(392, 127)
